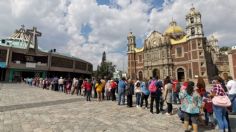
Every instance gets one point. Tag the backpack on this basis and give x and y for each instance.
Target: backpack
(152, 87)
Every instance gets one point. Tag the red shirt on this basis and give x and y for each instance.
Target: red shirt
(113, 84)
(174, 85)
(87, 86)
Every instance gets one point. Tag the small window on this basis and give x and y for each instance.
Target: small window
(191, 20)
(179, 52)
(200, 53)
(192, 31)
(202, 63)
(203, 73)
(199, 44)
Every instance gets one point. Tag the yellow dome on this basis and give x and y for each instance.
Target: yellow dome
(173, 28)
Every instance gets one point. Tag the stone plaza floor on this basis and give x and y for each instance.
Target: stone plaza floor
(30, 109)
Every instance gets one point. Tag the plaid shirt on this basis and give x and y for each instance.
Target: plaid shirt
(218, 90)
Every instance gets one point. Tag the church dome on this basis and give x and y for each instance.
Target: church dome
(173, 29)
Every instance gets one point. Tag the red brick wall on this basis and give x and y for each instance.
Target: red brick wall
(195, 68)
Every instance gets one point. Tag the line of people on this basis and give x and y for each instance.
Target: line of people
(194, 101)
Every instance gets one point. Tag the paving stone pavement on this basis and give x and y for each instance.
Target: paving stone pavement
(30, 109)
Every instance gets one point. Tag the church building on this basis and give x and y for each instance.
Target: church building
(176, 52)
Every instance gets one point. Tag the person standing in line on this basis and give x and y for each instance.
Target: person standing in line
(103, 88)
(108, 89)
(176, 89)
(80, 86)
(94, 88)
(220, 112)
(231, 86)
(137, 91)
(121, 91)
(61, 82)
(145, 94)
(99, 87)
(154, 89)
(129, 93)
(88, 87)
(191, 103)
(168, 95)
(113, 90)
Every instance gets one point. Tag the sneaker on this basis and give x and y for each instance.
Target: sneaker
(136, 106)
(168, 114)
(146, 107)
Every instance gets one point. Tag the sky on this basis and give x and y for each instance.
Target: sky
(86, 28)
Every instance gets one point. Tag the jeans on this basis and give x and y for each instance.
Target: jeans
(220, 113)
(121, 95)
(61, 87)
(176, 97)
(144, 97)
(88, 93)
(138, 99)
(157, 101)
(232, 97)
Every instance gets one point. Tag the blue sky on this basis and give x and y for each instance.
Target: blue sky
(86, 28)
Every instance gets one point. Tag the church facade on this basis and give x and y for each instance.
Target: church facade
(182, 55)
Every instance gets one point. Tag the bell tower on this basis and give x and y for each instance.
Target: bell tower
(131, 56)
(194, 26)
(131, 42)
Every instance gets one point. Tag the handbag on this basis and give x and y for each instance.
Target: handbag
(222, 101)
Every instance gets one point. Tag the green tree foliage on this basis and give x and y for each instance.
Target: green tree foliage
(224, 48)
(106, 68)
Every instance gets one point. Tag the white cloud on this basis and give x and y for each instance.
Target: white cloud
(61, 22)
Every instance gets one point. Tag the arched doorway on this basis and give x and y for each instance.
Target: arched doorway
(180, 74)
(140, 75)
(155, 72)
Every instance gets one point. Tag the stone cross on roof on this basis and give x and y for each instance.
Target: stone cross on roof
(34, 34)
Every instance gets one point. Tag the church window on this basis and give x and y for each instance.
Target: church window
(199, 44)
(202, 63)
(163, 53)
(203, 73)
(200, 53)
(191, 20)
(179, 52)
(192, 31)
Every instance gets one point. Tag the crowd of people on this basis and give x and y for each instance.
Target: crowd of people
(196, 106)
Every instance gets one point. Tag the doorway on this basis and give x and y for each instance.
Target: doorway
(180, 74)
(140, 75)
(155, 73)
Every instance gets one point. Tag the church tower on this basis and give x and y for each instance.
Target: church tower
(131, 56)
(194, 26)
(131, 42)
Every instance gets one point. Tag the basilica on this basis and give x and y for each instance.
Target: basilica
(182, 54)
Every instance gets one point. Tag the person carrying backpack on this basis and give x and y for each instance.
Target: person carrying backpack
(155, 94)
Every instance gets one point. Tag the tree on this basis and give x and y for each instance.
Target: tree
(106, 68)
(224, 48)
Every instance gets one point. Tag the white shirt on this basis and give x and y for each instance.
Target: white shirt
(231, 86)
